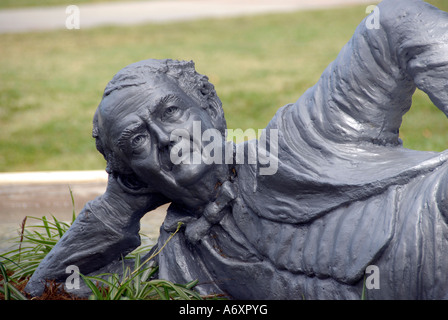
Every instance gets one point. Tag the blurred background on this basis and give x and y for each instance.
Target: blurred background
(52, 81)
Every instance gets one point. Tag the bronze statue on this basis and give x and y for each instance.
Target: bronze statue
(339, 193)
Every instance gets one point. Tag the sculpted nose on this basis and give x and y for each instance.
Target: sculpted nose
(163, 137)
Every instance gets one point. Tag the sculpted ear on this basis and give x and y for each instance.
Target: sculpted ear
(215, 111)
(213, 105)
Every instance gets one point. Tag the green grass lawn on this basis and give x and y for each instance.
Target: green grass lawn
(52, 82)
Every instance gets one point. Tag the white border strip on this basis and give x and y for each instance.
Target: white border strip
(48, 177)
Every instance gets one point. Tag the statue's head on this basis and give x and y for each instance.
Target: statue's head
(141, 107)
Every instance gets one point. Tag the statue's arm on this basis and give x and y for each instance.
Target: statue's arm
(106, 229)
(364, 93)
(418, 33)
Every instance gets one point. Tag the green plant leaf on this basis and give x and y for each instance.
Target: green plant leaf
(47, 228)
(16, 294)
(58, 226)
(73, 205)
(159, 292)
(97, 295)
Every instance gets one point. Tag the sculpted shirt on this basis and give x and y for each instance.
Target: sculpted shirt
(346, 194)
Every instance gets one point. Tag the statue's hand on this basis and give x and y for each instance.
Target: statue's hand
(106, 229)
(128, 202)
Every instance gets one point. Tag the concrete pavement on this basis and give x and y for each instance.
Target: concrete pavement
(136, 12)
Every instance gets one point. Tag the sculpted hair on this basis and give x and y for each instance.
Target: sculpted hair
(195, 85)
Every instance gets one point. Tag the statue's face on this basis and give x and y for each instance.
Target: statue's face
(138, 122)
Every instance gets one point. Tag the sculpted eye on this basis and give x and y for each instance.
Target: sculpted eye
(138, 140)
(170, 113)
